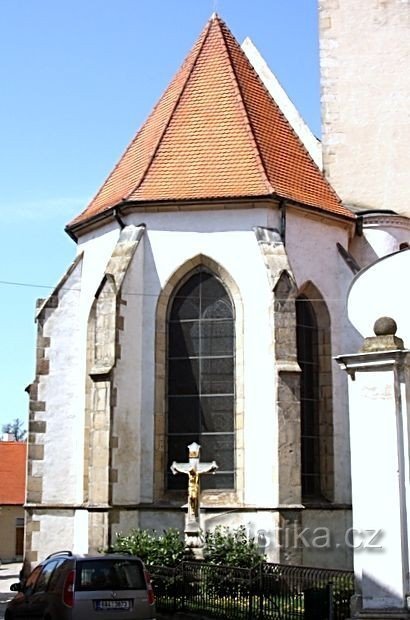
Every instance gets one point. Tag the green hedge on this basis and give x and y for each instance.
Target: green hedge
(223, 546)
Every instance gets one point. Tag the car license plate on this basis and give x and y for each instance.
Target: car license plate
(116, 604)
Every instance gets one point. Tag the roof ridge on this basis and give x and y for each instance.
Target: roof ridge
(282, 114)
(292, 129)
(171, 115)
(249, 46)
(245, 110)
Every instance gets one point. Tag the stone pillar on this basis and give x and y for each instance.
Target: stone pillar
(379, 439)
(103, 349)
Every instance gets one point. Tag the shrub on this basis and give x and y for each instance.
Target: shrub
(231, 547)
(166, 549)
(223, 546)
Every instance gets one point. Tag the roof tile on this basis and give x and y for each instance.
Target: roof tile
(215, 133)
(12, 472)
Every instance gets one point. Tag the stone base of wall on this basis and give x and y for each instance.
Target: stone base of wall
(313, 537)
(326, 537)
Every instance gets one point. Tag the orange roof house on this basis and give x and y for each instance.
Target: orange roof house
(216, 134)
(12, 473)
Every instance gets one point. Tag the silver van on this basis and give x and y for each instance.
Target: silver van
(66, 586)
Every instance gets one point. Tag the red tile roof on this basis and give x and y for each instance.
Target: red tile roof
(216, 133)
(12, 472)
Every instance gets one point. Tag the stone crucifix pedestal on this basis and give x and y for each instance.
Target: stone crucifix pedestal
(193, 469)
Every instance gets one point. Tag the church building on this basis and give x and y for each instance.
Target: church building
(205, 303)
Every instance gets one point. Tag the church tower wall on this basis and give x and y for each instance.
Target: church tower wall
(364, 57)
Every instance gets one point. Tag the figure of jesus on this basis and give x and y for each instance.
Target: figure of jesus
(194, 468)
(193, 494)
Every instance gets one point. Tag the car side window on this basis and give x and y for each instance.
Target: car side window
(59, 568)
(44, 578)
(32, 579)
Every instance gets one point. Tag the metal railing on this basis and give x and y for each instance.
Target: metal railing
(271, 591)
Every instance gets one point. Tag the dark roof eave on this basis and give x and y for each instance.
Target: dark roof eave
(320, 211)
(73, 229)
(119, 207)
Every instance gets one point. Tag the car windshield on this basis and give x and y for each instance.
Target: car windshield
(109, 574)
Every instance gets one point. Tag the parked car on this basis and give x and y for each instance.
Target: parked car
(66, 586)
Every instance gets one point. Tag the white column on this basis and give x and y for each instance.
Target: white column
(378, 392)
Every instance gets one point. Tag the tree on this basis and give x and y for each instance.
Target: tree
(15, 428)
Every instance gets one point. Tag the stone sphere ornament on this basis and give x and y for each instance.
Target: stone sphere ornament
(385, 326)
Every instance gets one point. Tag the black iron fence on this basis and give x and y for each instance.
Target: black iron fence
(271, 591)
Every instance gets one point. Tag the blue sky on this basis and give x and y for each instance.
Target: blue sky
(78, 78)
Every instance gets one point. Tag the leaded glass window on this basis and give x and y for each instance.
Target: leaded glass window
(201, 358)
(308, 358)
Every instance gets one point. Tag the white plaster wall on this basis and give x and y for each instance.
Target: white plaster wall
(128, 520)
(227, 237)
(158, 520)
(97, 248)
(63, 449)
(170, 240)
(382, 241)
(161, 519)
(80, 540)
(382, 235)
(364, 57)
(376, 490)
(381, 291)
(56, 532)
(260, 526)
(66, 325)
(311, 245)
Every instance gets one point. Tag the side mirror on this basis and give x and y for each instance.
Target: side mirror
(16, 587)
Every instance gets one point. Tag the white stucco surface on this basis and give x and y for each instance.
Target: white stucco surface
(170, 240)
(365, 83)
(382, 235)
(380, 291)
(311, 246)
(56, 532)
(378, 535)
(63, 448)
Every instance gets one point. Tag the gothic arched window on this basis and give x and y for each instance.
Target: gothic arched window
(308, 359)
(201, 364)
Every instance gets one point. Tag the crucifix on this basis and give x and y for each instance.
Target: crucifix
(193, 469)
